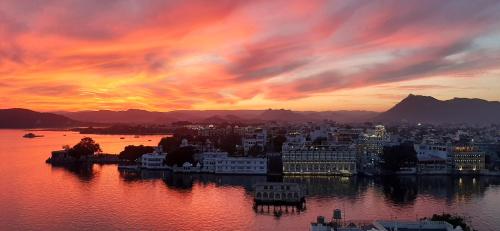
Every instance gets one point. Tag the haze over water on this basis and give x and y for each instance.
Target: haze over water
(35, 195)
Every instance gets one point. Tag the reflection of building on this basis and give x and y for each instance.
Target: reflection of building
(320, 160)
(468, 159)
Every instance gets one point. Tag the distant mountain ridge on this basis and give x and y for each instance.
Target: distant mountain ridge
(24, 118)
(108, 116)
(414, 109)
(427, 109)
(217, 116)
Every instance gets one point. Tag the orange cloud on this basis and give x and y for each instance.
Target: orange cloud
(166, 55)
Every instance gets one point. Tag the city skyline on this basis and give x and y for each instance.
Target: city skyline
(314, 55)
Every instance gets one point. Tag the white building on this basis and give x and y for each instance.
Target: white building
(293, 140)
(209, 160)
(372, 145)
(423, 225)
(414, 225)
(241, 165)
(426, 150)
(433, 159)
(155, 160)
(320, 160)
(257, 137)
(221, 163)
(319, 132)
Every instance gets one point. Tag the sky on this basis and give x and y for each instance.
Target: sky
(302, 55)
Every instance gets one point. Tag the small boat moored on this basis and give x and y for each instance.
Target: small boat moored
(31, 135)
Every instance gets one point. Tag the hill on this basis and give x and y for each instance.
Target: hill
(129, 116)
(216, 116)
(426, 109)
(24, 118)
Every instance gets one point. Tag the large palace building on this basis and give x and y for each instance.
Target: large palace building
(320, 160)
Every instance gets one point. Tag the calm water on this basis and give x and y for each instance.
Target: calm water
(37, 196)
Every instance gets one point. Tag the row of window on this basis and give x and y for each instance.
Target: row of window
(154, 159)
(318, 167)
(278, 196)
(298, 157)
(153, 164)
(239, 168)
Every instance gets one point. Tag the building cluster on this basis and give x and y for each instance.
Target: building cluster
(329, 148)
(337, 224)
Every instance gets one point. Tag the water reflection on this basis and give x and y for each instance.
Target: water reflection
(401, 190)
(331, 186)
(83, 171)
(396, 190)
(185, 182)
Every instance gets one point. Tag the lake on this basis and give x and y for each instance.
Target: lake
(37, 196)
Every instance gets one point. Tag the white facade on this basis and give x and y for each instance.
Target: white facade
(293, 140)
(425, 151)
(256, 138)
(241, 165)
(155, 160)
(221, 163)
(209, 160)
(319, 132)
(433, 159)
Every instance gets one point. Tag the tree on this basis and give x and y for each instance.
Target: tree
(255, 150)
(395, 157)
(180, 156)
(278, 142)
(229, 142)
(453, 220)
(169, 144)
(319, 140)
(132, 152)
(86, 147)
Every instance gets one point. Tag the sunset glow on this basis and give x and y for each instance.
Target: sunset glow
(302, 55)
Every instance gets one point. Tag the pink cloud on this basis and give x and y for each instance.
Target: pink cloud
(180, 54)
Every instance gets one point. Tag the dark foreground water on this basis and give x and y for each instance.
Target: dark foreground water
(38, 196)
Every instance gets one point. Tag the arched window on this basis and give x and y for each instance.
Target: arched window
(259, 195)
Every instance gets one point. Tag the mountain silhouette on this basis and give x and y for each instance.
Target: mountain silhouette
(24, 118)
(216, 116)
(426, 109)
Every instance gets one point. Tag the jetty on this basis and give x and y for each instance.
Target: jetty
(279, 196)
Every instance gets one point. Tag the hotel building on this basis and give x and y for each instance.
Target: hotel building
(468, 159)
(320, 160)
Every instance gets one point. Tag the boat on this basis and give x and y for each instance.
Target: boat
(31, 135)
